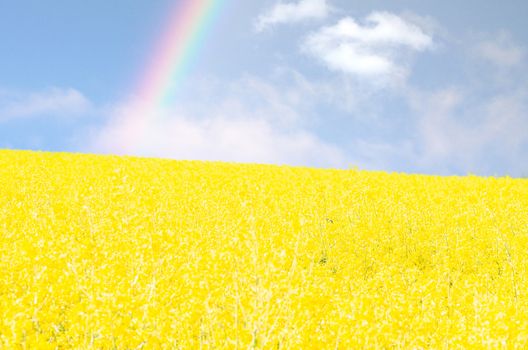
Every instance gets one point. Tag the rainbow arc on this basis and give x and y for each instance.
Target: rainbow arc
(187, 29)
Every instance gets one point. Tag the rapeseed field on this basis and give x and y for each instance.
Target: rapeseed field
(105, 252)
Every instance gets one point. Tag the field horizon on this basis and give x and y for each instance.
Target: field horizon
(351, 167)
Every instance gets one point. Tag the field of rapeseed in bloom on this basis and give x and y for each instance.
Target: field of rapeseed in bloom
(102, 252)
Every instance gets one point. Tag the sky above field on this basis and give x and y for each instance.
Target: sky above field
(437, 87)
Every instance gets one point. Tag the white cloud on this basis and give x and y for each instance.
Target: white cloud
(253, 120)
(374, 50)
(216, 138)
(284, 106)
(293, 13)
(439, 132)
(388, 155)
(463, 136)
(500, 50)
(428, 24)
(51, 102)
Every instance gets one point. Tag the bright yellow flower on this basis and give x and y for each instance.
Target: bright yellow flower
(103, 252)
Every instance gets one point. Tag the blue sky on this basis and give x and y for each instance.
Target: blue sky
(438, 87)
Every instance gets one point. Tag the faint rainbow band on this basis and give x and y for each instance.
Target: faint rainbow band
(188, 26)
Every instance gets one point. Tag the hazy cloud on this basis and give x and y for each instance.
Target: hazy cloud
(253, 120)
(500, 50)
(465, 136)
(63, 102)
(215, 138)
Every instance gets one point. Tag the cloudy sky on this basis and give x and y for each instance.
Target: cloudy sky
(419, 86)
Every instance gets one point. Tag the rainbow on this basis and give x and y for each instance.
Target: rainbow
(187, 27)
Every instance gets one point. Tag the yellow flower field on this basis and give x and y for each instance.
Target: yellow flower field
(103, 252)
